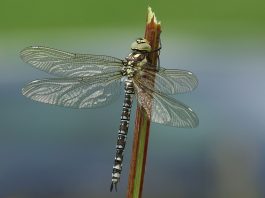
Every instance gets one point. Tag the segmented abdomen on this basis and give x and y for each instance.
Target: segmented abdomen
(122, 135)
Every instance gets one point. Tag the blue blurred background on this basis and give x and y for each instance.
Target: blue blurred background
(48, 151)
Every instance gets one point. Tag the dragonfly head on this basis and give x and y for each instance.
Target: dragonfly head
(141, 45)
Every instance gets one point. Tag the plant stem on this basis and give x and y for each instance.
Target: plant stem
(142, 121)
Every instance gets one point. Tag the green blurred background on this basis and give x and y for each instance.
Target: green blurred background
(48, 151)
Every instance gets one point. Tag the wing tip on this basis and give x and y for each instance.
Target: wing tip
(28, 87)
(27, 49)
(194, 121)
(24, 91)
(195, 124)
(26, 52)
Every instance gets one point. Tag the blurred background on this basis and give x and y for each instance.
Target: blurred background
(53, 152)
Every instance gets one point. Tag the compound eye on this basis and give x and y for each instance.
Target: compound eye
(140, 41)
(141, 44)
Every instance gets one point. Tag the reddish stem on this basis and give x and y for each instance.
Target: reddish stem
(142, 122)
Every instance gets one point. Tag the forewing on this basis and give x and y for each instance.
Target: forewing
(165, 110)
(168, 81)
(65, 64)
(87, 92)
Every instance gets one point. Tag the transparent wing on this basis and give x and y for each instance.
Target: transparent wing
(67, 64)
(87, 92)
(168, 81)
(165, 110)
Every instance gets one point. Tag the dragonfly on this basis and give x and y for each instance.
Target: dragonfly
(91, 81)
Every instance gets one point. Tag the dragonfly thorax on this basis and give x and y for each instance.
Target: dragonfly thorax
(137, 59)
(128, 70)
(133, 63)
